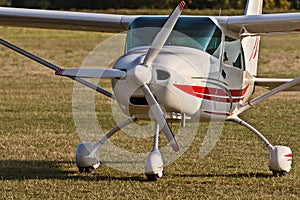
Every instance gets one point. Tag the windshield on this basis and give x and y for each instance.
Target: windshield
(194, 32)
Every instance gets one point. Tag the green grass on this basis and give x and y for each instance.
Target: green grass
(38, 136)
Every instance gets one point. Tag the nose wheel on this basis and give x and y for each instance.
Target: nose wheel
(152, 177)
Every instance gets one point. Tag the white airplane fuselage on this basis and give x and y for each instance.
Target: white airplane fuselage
(199, 72)
(186, 81)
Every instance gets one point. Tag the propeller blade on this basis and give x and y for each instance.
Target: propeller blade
(159, 117)
(91, 73)
(161, 38)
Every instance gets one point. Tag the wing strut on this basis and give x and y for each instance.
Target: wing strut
(266, 95)
(54, 67)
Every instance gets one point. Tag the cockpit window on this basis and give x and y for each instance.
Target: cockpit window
(233, 54)
(194, 32)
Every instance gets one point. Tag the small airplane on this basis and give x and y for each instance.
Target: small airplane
(185, 68)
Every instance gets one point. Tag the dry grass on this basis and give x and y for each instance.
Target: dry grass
(38, 136)
(280, 56)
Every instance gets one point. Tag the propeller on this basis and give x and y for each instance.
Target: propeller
(91, 73)
(140, 74)
(156, 46)
(159, 117)
(163, 34)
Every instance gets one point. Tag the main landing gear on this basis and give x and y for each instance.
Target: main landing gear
(280, 156)
(88, 159)
(87, 153)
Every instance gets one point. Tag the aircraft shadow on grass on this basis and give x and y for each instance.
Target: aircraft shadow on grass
(42, 169)
(237, 175)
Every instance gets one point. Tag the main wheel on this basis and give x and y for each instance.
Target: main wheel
(279, 173)
(86, 169)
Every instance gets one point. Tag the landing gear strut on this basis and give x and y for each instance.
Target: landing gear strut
(154, 162)
(280, 156)
(87, 154)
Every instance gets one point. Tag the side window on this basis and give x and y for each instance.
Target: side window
(233, 53)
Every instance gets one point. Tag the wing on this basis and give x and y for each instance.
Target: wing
(64, 20)
(272, 83)
(262, 24)
(254, 24)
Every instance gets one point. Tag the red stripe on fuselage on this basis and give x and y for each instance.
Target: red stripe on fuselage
(255, 49)
(213, 94)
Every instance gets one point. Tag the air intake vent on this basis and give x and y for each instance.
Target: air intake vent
(140, 101)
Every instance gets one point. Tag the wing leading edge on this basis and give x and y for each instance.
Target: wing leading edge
(262, 24)
(251, 24)
(64, 20)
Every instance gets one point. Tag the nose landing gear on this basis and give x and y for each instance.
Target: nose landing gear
(154, 162)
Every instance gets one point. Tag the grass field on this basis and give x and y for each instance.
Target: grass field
(38, 136)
